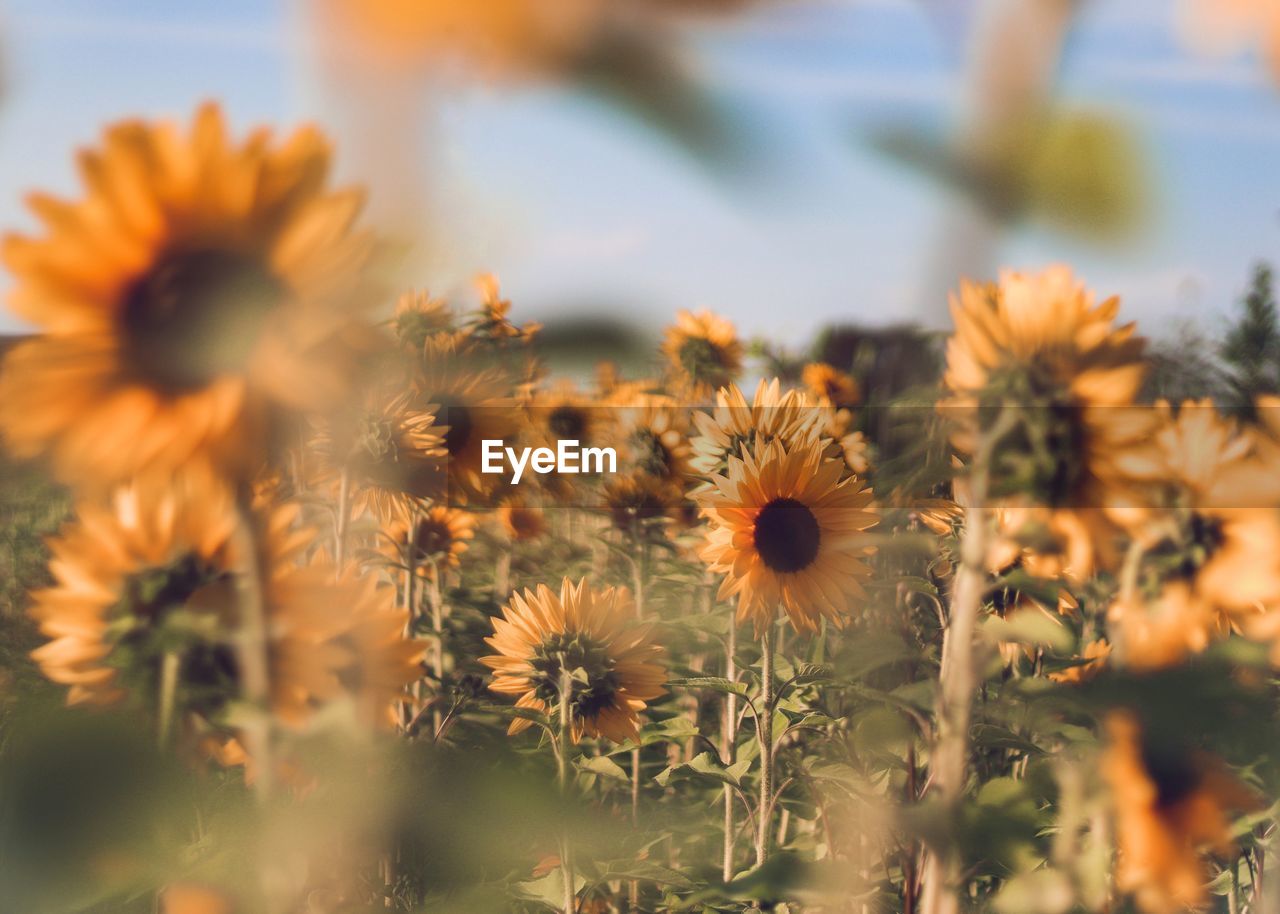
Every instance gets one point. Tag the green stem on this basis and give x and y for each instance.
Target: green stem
(169, 666)
(341, 522)
(251, 646)
(765, 731)
(729, 749)
(639, 571)
(562, 776)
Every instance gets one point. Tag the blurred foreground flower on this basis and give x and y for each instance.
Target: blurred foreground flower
(589, 634)
(144, 608)
(1171, 806)
(1039, 370)
(199, 282)
(1219, 25)
(786, 530)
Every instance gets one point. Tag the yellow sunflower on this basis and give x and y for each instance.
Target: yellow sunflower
(440, 535)
(563, 412)
(786, 530)
(418, 318)
(542, 634)
(653, 433)
(1171, 808)
(638, 503)
(735, 425)
(392, 452)
(473, 401)
(826, 382)
(703, 353)
(522, 523)
(1209, 512)
(198, 282)
(150, 581)
(1035, 354)
(1164, 629)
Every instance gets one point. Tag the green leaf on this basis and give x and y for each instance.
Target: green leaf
(603, 766)
(704, 767)
(713, 683)
(1029, 626)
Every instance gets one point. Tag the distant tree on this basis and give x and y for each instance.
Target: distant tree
(1250, 349)
(1182, 366)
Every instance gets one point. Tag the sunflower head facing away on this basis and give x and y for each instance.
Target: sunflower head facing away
(1172, 806)
(1034, 362)
(703, 353)
(588, 633)
(198, 280)
(419, 318)
(786, 531)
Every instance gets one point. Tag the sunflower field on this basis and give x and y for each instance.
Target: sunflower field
(327, 590)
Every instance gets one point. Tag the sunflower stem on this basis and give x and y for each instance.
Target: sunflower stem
(341, 519)
(436, 598)
(562, 776)
(958, 680)
(169, 666)
(251, 646)
(639, 571)
(729, 749)
(765, 731)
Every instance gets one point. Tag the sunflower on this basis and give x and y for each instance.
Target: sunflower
(735, 425)
(830, 384)
(472, 400)
(392, 452)
(637, 503)
(198, 282)
(150, 580)
(563, 412)
(418, 318)
(522, 523)
(1171, 806)
(1209, 514)
(440, 535)
(1165, 629)
(492, 323)
(654, 437)
(1035, 354)
(786, 529)
(542, 634)
(703, 353)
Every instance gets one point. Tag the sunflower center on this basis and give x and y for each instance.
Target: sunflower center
(595, 683)
(432, 538)
(457, 416)
(197, 315)
(1174, 774)
(1199, 537)
(652, 456)
(567, 423)
(787, 535)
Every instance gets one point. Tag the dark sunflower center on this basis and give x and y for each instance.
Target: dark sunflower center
(151, 624)
(575, 652)
(196, 315)
(1173, 772)
(567, 423)
(457, 416)
(787, 535)
(432, 538)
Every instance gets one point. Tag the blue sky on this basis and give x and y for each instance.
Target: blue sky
(575, 207)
